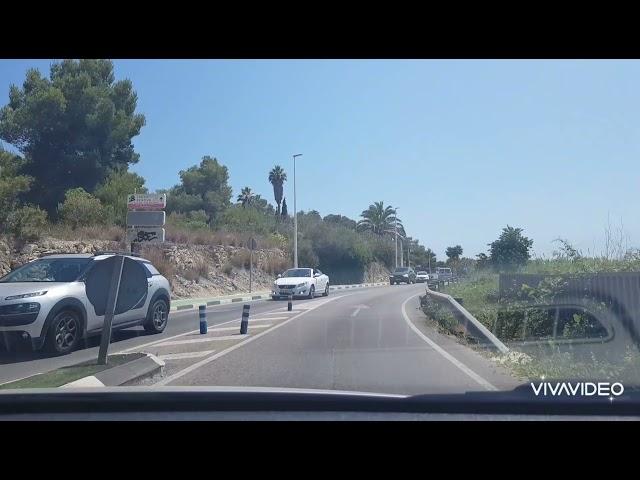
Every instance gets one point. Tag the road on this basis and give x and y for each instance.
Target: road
(370, 340)
(24, 363)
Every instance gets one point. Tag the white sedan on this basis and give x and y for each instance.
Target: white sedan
(300, 282)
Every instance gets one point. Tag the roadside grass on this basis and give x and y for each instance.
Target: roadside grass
(479, 296)
(61, 376)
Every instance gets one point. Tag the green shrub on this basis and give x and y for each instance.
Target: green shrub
(28, 223)
(81, 209)
(227, 268)
(242, 259)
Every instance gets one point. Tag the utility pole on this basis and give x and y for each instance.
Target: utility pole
(295, 215)
(396, 230)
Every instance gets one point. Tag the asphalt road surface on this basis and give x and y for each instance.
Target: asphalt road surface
(369, 340)
(23, 363)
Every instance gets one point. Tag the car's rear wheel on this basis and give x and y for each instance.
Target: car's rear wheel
(157, 317)
(391, 282)
(64, 333)
(326, 290)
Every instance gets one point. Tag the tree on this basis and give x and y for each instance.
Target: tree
(277, 177)
(379, 219)
(510, 250)
(81, 209)
(482, 261)
(245, 197)
(453, 253)
(202, 187)
(12, 185)
(262, 205)
(73, 127)
(114, 191)
(285, 212)
(341, 220)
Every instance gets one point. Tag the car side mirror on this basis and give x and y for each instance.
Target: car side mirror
(279, 275)
(316, 275)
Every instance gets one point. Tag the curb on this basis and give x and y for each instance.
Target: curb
(251, 298)
(142, 367)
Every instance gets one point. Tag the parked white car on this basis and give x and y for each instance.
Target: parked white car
(300, 282)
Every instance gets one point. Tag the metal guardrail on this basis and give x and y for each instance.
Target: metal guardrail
(471, 324)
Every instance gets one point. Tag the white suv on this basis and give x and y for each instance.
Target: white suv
(45, 301)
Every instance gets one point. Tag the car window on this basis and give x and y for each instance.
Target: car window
(49, 270)
(151, 269)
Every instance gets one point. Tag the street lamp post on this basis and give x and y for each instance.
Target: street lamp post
(295, 215)
(395, 215)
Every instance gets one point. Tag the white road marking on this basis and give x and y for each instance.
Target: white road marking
(279, 312)
(144, 345)
(203, 362)
(223, 329)
(443, 352)
(179, 356)
(357, 309)
(201, 340)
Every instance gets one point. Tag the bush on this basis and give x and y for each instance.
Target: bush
(227, 268)
(242, 259)
(28, 223)
(114, 191)
(81, 209)
(248, 219)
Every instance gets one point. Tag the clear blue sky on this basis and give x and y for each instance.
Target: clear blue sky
(463, 148)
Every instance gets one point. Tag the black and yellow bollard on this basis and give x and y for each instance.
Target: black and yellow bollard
(290, 306)
(244, 323)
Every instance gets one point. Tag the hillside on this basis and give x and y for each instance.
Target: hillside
(193, 270)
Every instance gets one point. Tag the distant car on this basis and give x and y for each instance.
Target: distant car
(422, 277)
(443, 274)
(45, 301)
(402, 275)
(300, 282)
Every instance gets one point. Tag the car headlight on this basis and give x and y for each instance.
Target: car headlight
(26, 295)
(19, 308)
(303, 284)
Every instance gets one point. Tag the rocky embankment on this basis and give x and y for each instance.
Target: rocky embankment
(193, 270)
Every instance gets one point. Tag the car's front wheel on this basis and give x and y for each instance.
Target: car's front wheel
(64, 333)
(157, 317)
(312, 292)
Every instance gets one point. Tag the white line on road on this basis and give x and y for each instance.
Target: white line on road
(201, 340)
(223, 329)
(180, 356)
(443, 352)
(203, 362)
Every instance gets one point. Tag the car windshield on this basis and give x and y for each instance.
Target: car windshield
(48, 270)
(280, 206)
(298, 272)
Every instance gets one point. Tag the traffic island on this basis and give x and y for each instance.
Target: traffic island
(120, 370)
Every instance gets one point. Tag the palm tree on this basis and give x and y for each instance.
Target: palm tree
(246, 197)
(277, 177)
(379, 219)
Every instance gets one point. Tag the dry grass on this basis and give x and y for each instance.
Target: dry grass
(96, 232)
(159, 260)
(227, 268)
(242, 259)
(275, 265)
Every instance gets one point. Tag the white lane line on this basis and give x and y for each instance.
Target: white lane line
(203, 362)
(278, 312)
(223, 329)
(201, 340)
(179, 356)
(443, 352)
(268, 319)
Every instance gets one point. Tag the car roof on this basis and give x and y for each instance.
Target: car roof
(97, 256)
